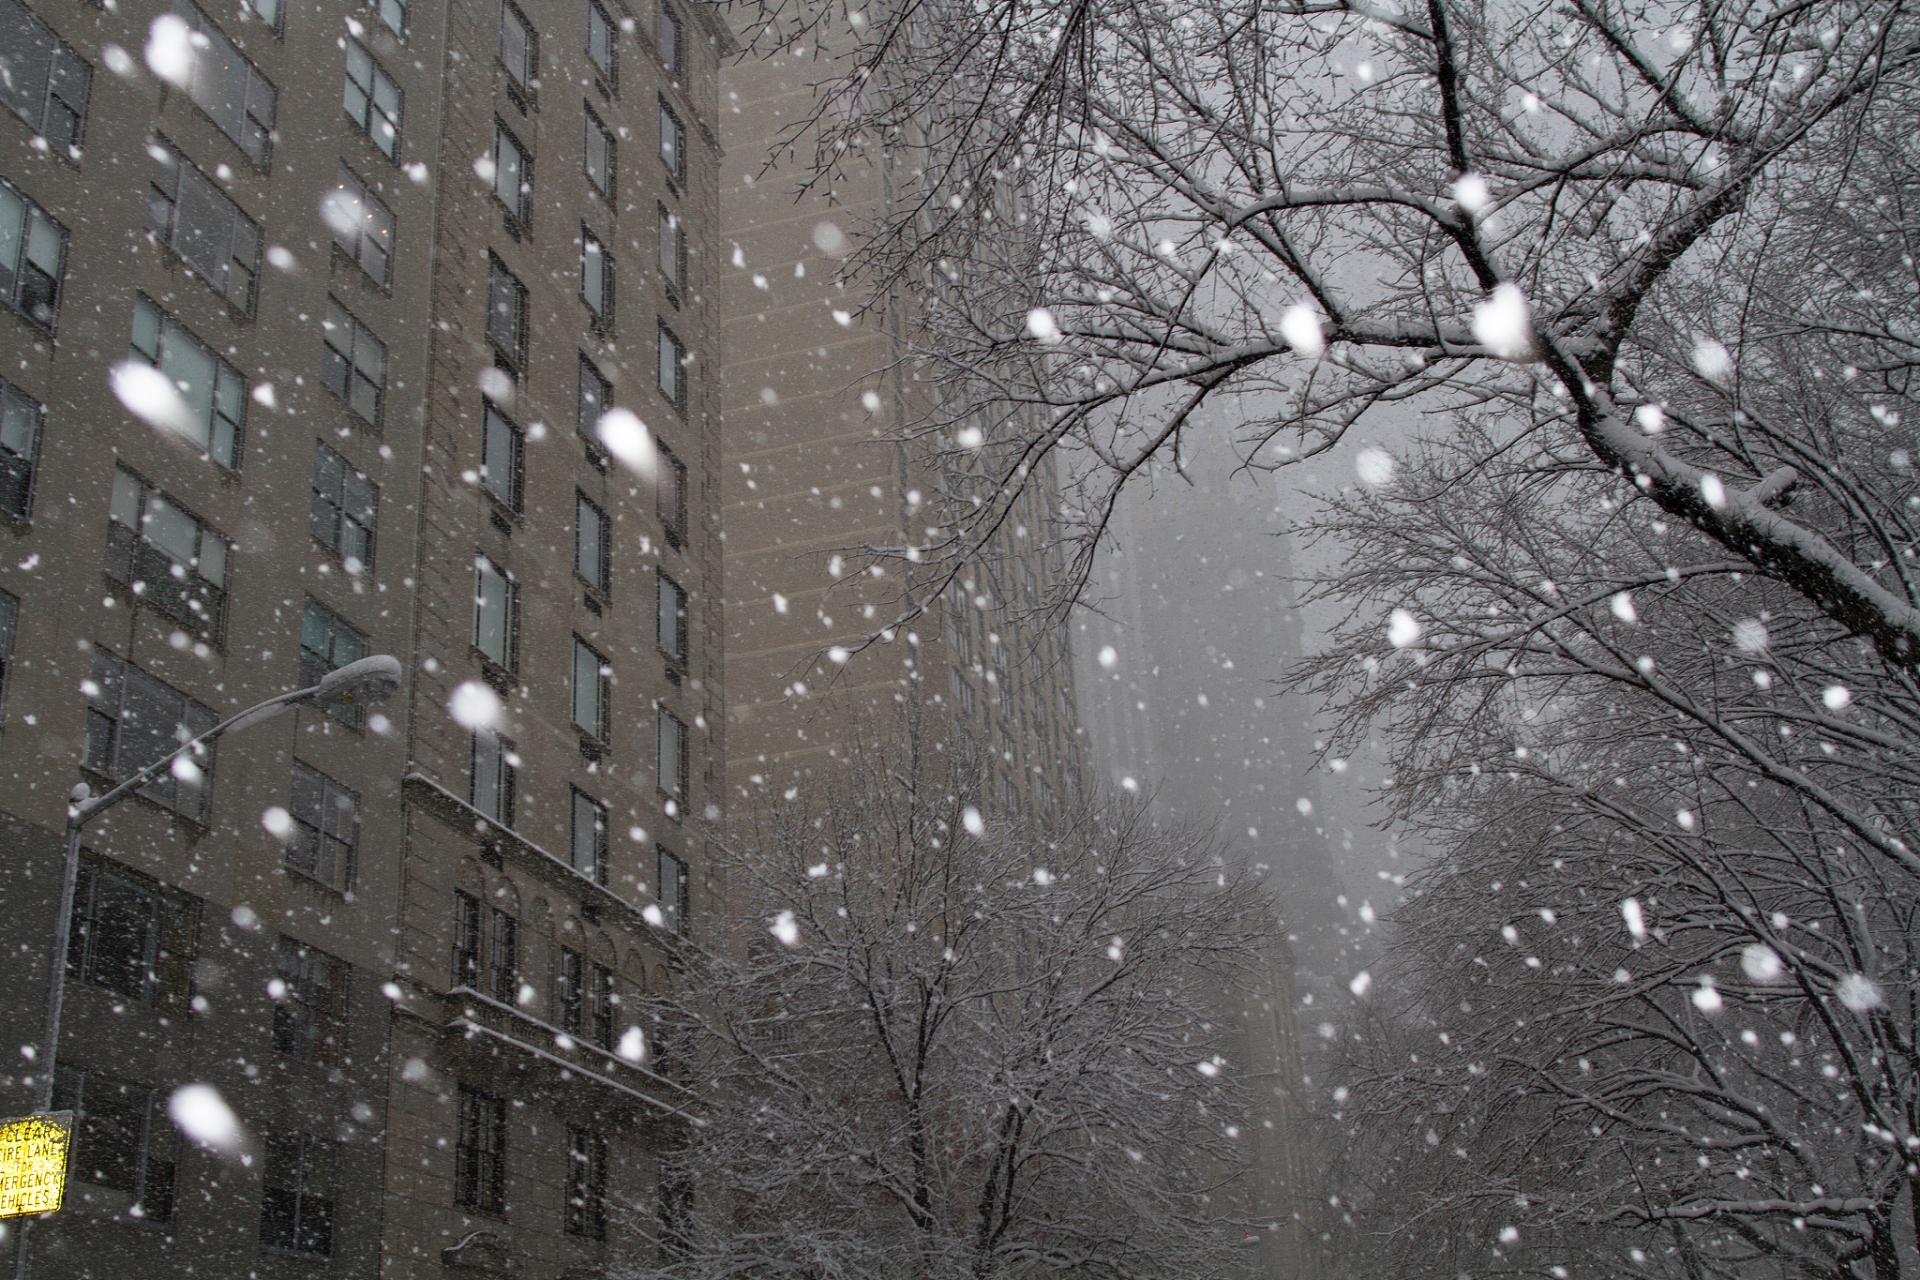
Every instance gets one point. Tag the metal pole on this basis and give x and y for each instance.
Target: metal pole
(48, 1053)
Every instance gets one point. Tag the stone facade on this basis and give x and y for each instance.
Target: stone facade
(308, 232)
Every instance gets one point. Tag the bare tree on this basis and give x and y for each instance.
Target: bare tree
(1656, 991)
(963, 1047)
(1113, 217)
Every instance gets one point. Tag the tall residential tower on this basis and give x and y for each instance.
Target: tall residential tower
(392, 263)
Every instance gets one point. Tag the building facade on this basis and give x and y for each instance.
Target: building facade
(310, 314)
(814, 389)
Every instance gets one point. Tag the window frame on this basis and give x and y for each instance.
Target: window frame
(484, 567)
(572, 975)
(672, 513)
(674, 273)
(672, 47)
(334, 855)
(61, 56)
(586, 1205)
(601, 999)
(359, 338)
(583, 509)
(465, 970)
(393, 13)
(169, 173)
(310, 1020)
(672, 154)
(496, 752)
(602, 690)
(676, 395)
(480, 1156)
(169, 944)
(319, 1242)
(502, 956)
(351, 190)
(370, 109)
(610, 69)
(510, 489)
(340, 510)
(312, 663)
(529, 70)
(592, 247)
(668, 726)
(501, 279)
(134, 558)
(595, 125)
(519, 208)
(582, 807)
(19, 467)
(236, 116)
(603, 389)
(674, 891)
(15, 275)
(107, 741)
(226, 423)
(9, 628)
(663, 584)
(156, 1177)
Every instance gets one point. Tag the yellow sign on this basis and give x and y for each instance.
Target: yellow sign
(33, 1162)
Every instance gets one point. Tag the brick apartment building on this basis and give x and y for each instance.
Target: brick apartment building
(396, 259)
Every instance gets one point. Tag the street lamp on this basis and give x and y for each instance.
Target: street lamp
(372, 679)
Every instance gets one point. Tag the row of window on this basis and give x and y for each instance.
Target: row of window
(126, 1158)
(493, 775)
(480, 1165)
(508, 325)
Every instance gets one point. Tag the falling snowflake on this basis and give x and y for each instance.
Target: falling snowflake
(1471, 193)
(1504, 325)
(204, 1116)
(1301, 329)
(829, 239)
(784, 929)
(152, 397)
(1402, 628)
(1760, 962)
(169, 50)
(1636, 922)
(1374, 467)
(1712, 361)
(1361, 984)
(1750, 635)
(1858, 992)
(629, 441)
(474, 706)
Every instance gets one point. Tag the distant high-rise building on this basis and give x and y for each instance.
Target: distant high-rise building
(391, 262)
(814, 392)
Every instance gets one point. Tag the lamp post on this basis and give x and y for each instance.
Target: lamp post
(369, 680)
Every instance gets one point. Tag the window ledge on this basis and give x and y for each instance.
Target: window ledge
(529, 856)
(510, 1015)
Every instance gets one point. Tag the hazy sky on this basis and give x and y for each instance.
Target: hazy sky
(1199, 613)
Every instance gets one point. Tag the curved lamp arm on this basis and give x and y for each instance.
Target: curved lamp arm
(371, 679)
